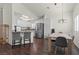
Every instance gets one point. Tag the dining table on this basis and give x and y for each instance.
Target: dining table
(53, 36)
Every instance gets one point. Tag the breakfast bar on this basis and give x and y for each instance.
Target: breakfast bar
(27, 34)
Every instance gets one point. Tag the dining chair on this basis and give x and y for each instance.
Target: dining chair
(27, 37)
(16, 39)
(61, 42)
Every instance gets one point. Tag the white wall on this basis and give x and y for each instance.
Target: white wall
(76, 34)
(47, 26)
(7, 18)
(62, 27)
(51, 21)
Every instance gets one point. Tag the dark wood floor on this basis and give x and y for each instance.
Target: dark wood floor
(39, 47)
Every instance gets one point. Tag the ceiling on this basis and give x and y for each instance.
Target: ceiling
(40, 9)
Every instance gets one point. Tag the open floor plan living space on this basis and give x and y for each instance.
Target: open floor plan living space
(39, 28)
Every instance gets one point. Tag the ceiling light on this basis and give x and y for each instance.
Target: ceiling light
(22, 18)
(62, 20)
(25, 16)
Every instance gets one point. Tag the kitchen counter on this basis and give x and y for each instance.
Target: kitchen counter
(22, 35)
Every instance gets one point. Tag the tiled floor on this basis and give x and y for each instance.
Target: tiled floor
(39, 47)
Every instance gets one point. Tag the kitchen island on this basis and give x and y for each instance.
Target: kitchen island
(29, 32)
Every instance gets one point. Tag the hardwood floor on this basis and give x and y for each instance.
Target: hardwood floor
(39, 47)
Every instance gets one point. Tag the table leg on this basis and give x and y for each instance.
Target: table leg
(69, 46)
(49, 44)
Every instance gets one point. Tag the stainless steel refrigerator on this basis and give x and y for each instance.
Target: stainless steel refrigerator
(39, 30)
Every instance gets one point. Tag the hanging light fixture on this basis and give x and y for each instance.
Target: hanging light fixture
(62, 20)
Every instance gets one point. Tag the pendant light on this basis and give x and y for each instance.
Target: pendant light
(62, 20)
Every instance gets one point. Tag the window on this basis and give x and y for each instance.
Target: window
(77, 23)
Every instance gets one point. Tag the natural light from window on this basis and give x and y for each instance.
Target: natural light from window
(77, 23)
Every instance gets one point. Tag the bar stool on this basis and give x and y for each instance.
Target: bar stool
(27, 37)
(16, 39)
